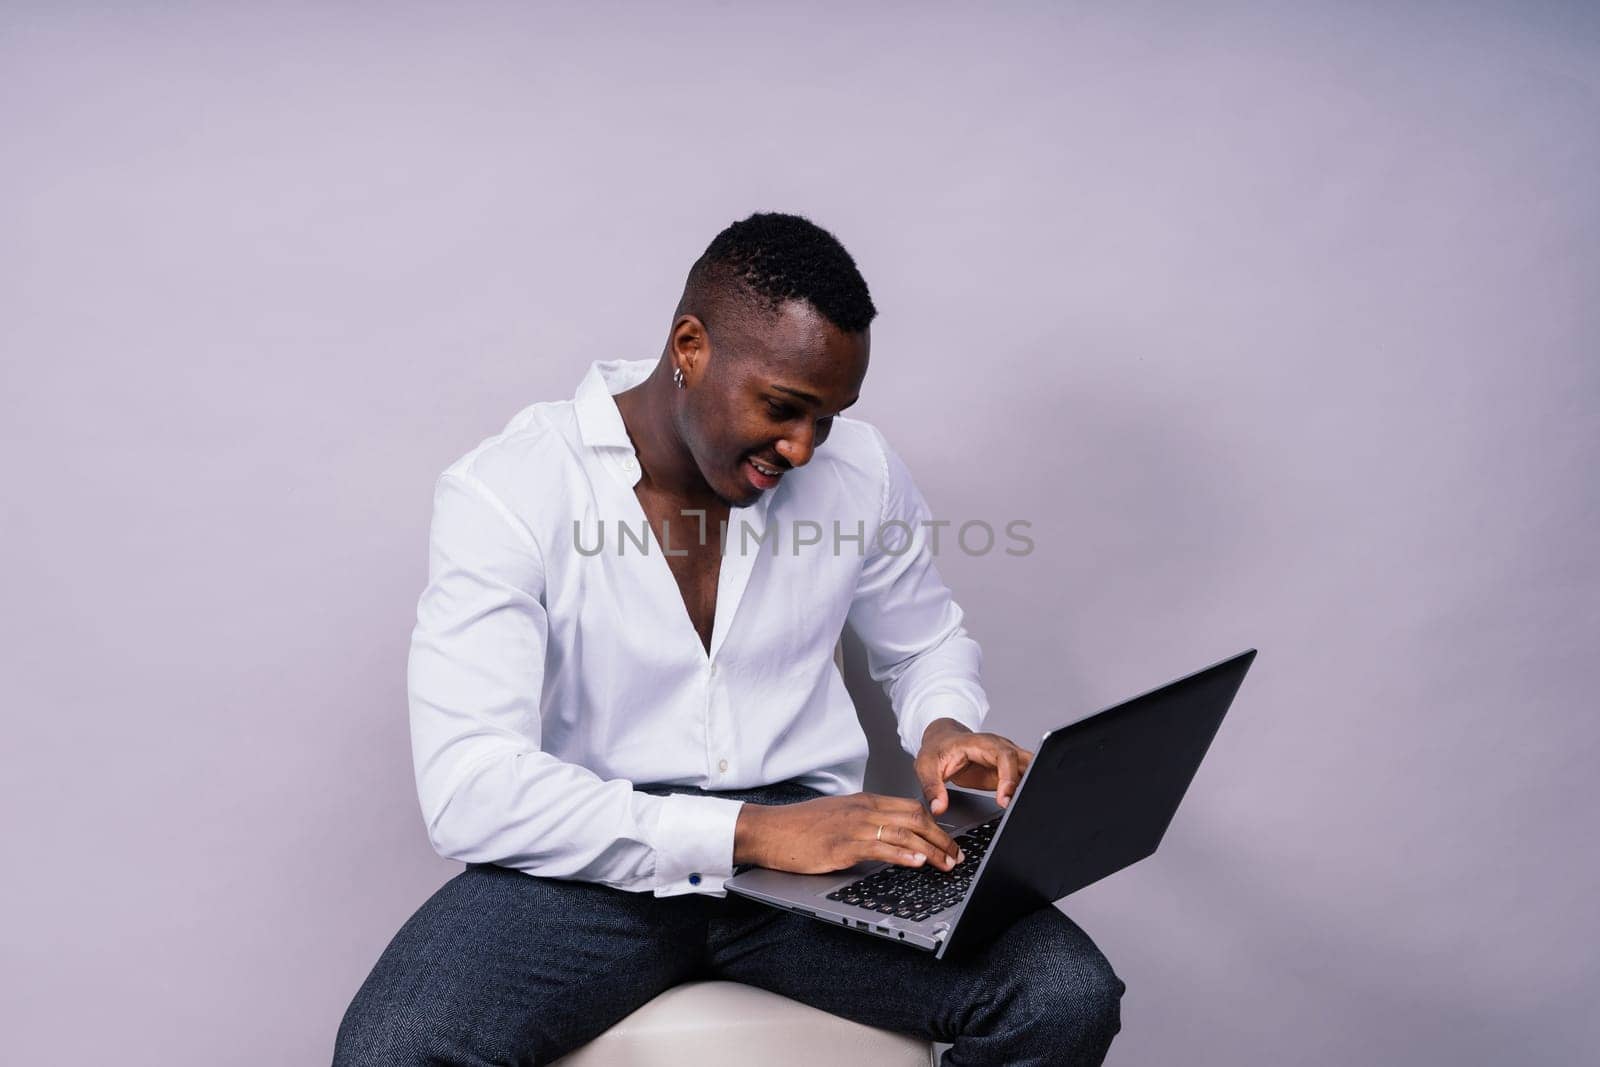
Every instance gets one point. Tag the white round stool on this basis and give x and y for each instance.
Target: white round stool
(727, 1024)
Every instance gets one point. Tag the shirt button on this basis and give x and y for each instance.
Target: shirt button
(722, 765)
(694, 879)
(629, 465)
(713, 670)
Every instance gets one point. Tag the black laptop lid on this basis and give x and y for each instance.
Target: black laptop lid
(1098, 796)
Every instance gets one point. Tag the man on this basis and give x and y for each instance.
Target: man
(622, 686)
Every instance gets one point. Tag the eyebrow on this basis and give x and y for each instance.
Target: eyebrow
(808, 398)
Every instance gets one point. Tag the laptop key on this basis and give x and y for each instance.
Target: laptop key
(922, 890)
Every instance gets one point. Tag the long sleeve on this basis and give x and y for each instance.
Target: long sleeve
(908, 621)
(488, 793)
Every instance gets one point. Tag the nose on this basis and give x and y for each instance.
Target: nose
(796, 449)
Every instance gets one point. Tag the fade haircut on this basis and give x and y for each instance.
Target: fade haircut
(758, 263)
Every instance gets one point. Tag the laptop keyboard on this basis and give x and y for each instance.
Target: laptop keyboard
(916, 893)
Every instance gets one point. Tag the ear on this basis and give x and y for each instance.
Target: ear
(691, 345)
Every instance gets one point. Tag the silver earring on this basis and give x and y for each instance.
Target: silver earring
(677, 377)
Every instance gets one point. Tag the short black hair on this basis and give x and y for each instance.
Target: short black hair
(769, 258)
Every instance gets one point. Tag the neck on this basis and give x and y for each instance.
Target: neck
(663, 456)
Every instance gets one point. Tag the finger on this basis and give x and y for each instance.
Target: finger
(884, 852)
(928, 772)
(933, 833)
(916, 824)
(913, 818)
(916, 841)
(973, 767)
(953, 763)
(1009, 776)
(912, 851)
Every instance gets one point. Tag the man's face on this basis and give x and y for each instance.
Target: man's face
(766, 395)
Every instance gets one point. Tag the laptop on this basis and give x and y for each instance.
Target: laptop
(1097, 797)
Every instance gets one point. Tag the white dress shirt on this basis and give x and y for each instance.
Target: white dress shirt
(554, 666)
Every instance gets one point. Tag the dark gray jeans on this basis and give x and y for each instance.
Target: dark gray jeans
(502, 968)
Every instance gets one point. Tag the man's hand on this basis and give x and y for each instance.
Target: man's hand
(952, 753)
(832, 833)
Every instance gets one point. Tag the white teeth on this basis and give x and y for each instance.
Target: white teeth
(764, 470)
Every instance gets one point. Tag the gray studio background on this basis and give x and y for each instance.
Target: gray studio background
(1278, 323)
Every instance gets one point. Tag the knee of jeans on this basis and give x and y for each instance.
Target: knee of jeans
(369, 1038)
(393, 1039)
(420, 1037)
(1076, 1007)
(358, 1044)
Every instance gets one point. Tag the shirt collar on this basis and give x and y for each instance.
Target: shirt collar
(599, 420)
(601, 427)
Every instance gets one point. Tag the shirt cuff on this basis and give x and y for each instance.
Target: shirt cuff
(694, 846)
(947, 705)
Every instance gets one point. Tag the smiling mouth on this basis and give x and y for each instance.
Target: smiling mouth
(761, 475)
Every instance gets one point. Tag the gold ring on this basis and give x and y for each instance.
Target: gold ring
(880, 831)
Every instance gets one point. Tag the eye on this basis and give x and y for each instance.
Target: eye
(780, 411)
